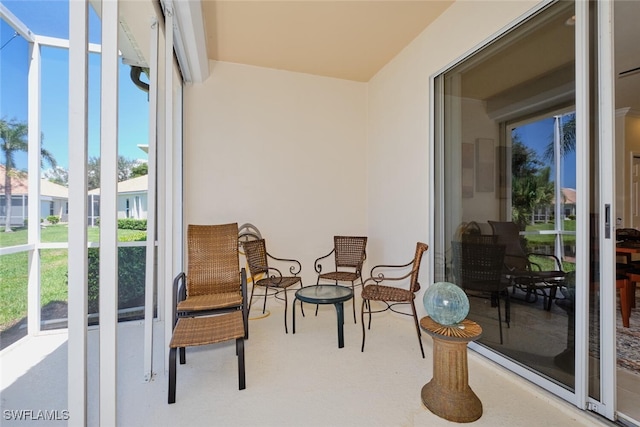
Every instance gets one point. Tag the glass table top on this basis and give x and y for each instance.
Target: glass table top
(324, 294)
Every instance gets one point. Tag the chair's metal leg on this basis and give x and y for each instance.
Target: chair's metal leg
(172, 376)
(507, 309)
(353, 289)
(301, 306)
(183, 357)
(293, 312)
(415, 319)
(240, 352)
(245, 319)
(286, 303)
(317, 283)
(264, 304)
(552, 295)
(362, 321)
(499, 319)
(253, 288)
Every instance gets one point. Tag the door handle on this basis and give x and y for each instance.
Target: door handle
(607, 221)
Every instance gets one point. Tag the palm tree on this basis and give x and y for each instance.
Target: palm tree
(531, 186)
(568, 142)
(13, 139)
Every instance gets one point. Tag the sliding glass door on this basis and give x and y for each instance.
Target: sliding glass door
(520, 166)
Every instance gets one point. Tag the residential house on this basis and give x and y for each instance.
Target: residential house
(53, 199)
(132, 197)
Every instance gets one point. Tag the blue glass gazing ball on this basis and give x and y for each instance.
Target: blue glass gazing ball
(446, 303)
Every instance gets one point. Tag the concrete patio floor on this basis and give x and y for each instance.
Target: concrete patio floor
(292, 380)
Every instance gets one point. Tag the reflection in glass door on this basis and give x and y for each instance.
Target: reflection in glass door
(508, 163)
(525, 164)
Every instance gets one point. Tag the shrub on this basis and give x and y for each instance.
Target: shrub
(52, 219)
(131, 277)
(132, 224)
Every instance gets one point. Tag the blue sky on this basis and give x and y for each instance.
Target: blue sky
(538, 135)
(50, 18)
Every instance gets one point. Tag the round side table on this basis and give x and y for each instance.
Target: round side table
(448, 394)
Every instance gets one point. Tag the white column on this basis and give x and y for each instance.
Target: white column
(559, 225)
(151, 203)
(168, 179)
(77, 306)
(33, 299)
(108, 214)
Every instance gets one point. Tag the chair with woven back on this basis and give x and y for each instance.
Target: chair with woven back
(205, 330)
(375, 290)
(264, 275)
(349, 253)
(477, 268)
(213, 282)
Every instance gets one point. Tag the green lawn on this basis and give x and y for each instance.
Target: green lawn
(53, 270)
(542, 239)
(549, 239)
(57, 233)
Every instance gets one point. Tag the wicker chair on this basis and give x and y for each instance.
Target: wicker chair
(524, 273)
(214, 282)
(391, 295)
(349, 255)
(204, 330)
(477, 268)
(257, 257)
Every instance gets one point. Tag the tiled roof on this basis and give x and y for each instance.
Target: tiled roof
(138, 184)
(20, 185)
(569, 195)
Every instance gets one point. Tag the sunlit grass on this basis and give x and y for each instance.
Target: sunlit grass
(549, 239)
(53, 270)
(56, 233)
(13, 288)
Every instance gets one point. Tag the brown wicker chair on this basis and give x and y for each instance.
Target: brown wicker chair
(257, 257)
(349, 255)
(477, 268)
(391, 295)
(214, 282)
(204, 330)
(522, 271)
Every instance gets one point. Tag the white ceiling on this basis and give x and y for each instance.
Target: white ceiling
(354, 39)
(349, 40)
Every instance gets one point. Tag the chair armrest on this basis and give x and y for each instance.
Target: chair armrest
(243, 287)
(179, 292)
(180, 282)
(294, 269)
(379, 277)
(274, 275)
(555, 259)
(245, 306)
(316, 263)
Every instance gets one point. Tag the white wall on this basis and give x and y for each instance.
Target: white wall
(483, 206)
(305, 157)
(399, 177)
(284, 151)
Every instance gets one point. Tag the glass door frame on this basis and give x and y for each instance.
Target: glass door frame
(603, 83)
(579, 397)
